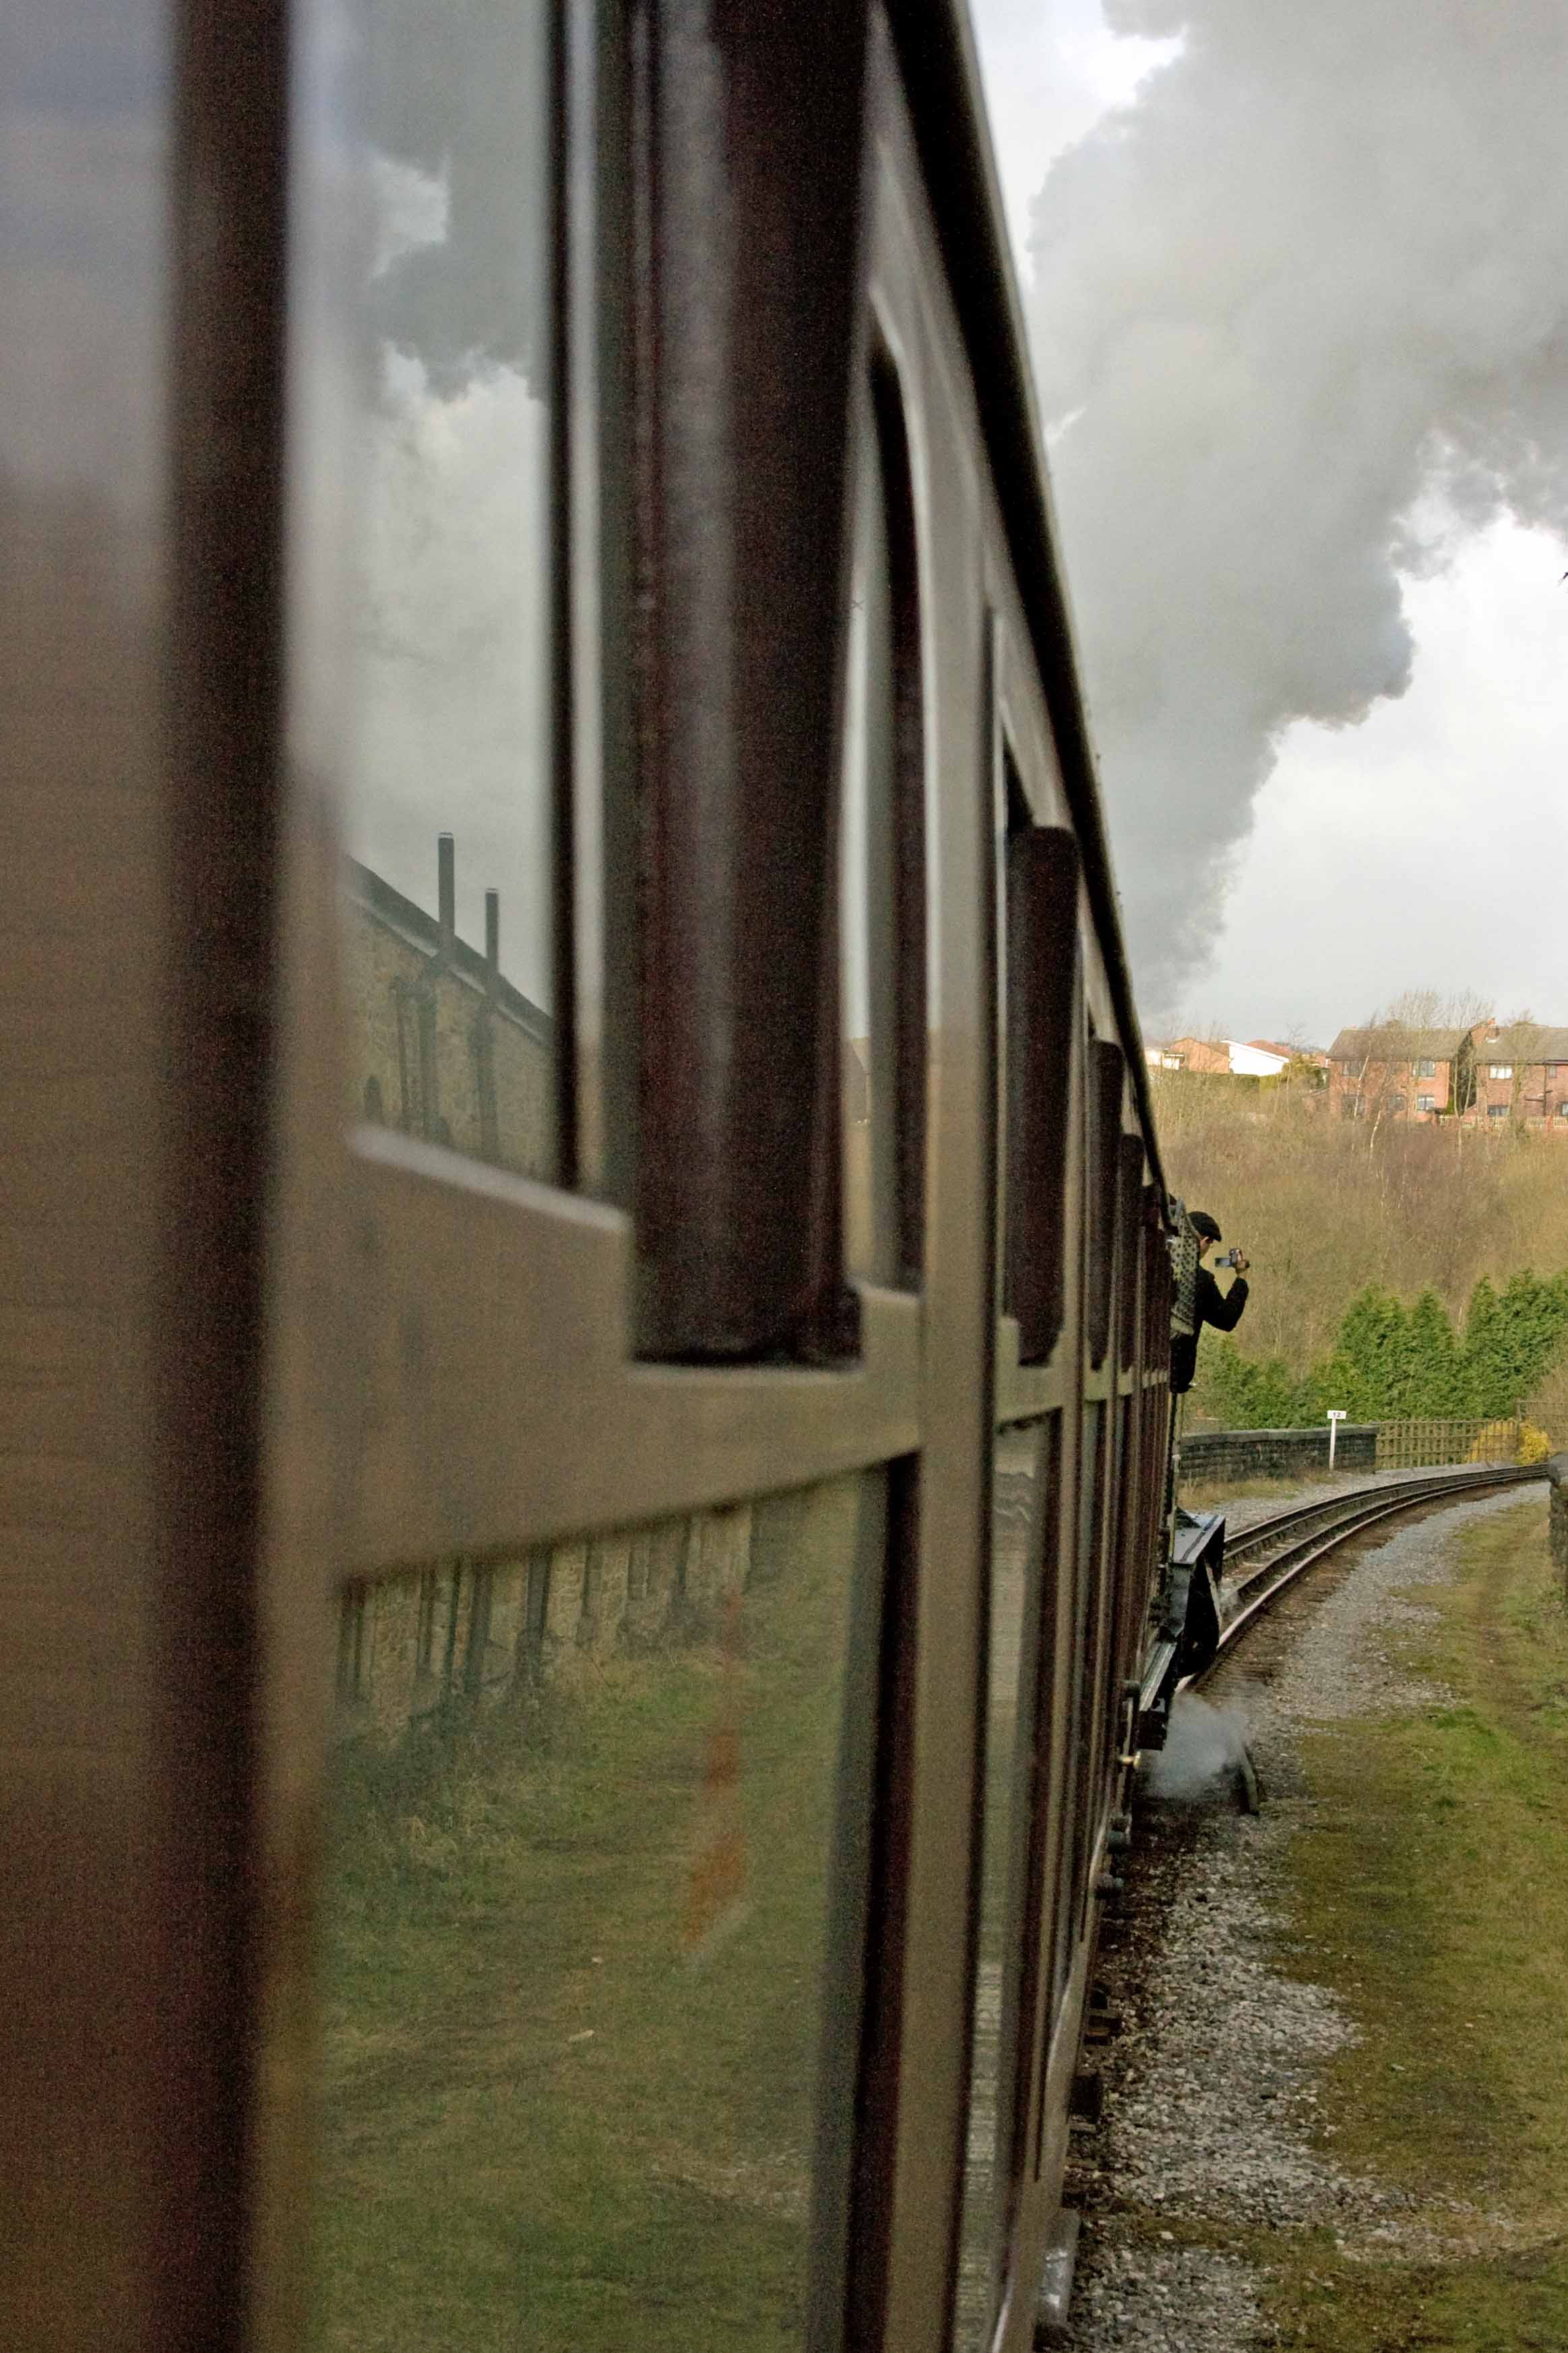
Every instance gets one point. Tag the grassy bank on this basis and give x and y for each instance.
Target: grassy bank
(1430, 1892)
(1324, 1206)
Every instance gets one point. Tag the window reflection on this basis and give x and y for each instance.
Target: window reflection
(882, 859)
(1024, 1482)
(1073, 1892)
(453, 1052)
(578, 1899)
(450, 942)
(867, 886)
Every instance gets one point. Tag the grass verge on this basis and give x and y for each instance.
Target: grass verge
(1212, 1494)
(1429, 1891)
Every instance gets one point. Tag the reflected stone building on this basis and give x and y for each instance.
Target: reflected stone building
(446, 1046)
(408, 1648)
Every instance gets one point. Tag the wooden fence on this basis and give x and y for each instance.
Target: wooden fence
(1413, 1445)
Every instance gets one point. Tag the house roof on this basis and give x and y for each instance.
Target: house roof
(1524, 1041)
(421, 929)
(1291, 1053)
(1390, 1041)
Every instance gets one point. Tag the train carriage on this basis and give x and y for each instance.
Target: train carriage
(585, 1270)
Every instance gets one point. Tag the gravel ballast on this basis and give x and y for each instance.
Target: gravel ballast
(1210, 2115)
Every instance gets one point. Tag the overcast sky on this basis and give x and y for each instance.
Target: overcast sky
(1422, 844)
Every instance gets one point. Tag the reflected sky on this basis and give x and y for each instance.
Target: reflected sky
(447, 336)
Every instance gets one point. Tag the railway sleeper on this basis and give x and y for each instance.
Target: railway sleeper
(1086, 2101)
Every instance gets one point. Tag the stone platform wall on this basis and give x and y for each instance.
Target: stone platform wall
(1215, 1455)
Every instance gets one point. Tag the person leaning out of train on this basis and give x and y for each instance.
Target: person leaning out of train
(1211, 1305)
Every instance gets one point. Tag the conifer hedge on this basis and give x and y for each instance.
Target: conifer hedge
(1391, 1362)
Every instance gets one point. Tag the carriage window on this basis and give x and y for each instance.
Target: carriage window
(1041, 969)
(882, 862)
(1072, 1879)
(594, 1816)
(1106, 1069)
(1015, 1823)
(447, 355)
(1013, 818)
(870, 1176)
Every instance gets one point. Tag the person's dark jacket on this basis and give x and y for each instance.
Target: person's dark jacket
(1212, 1306)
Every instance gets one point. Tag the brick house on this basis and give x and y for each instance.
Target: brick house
(1390, 1071)
(1484, 1075)
(1258, 1058)
(1522, 1074)
(1208, 1055)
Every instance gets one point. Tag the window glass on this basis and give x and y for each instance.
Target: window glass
(867, 888)
(1013, 822)
(1040, 953)
(445, 183)
(1025, 1479)
(882, 884)
(1090, 1538)
(590, 1811)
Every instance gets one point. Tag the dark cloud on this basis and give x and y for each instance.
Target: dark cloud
(460, 92)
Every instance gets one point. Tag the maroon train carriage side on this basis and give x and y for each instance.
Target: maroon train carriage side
(586, 1253)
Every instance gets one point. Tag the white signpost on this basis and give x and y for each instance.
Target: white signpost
(1336, 1415)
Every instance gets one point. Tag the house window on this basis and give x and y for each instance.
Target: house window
(1396, 1105)
(1497, 1111)
(1500, 1070)
(1423, 1103)
(1427, 1069)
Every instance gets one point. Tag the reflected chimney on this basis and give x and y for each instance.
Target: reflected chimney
(446, 891)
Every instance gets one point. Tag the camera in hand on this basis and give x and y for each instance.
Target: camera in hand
(1231, 1257)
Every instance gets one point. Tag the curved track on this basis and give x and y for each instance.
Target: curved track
(1275, 1551)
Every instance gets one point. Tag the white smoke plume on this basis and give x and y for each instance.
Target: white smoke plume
(1204, 1756)
(1299, 318)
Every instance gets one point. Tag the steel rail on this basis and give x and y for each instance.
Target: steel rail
(1361, 1509)
(1328, 1510)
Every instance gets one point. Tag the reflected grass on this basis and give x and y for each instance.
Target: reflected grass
(566, 2097)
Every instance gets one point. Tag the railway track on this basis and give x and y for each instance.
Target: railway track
(1211, 2090)
(1262, 1560)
